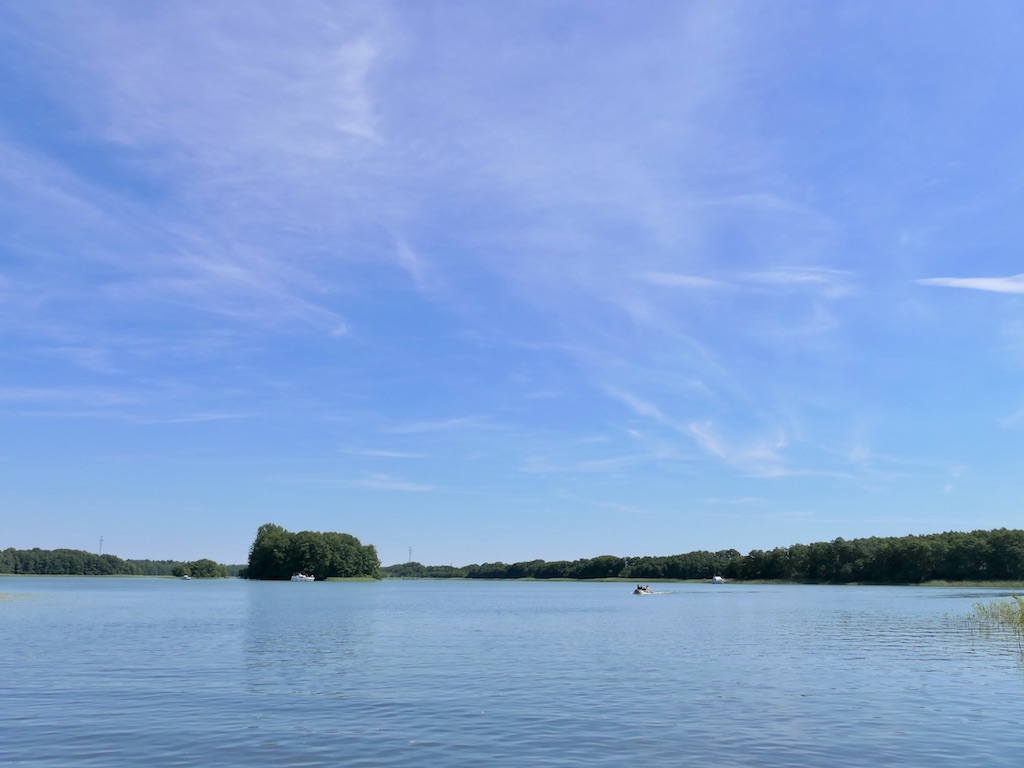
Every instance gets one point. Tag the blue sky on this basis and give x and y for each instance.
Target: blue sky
(505, 281)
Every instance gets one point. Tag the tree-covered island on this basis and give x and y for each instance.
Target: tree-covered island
(277, 554)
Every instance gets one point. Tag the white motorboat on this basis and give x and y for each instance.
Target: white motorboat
(643, 591)
(717, 580)
(303, 577)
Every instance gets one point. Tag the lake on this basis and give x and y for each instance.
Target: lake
(111, 672)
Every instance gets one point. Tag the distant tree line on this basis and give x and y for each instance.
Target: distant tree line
(76, 562)
(996, 555)
(277, 554)
(414, 570)
(70, 562)
(693, 565)
(200, 569)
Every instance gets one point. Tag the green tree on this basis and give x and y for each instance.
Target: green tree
(277, 554)
(268, 556)
(309, 553)
(206, 569)
(1006, 554)
(602, 567)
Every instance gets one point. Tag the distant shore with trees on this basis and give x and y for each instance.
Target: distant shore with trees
(979, 556)
(76, 562)
(983, 556)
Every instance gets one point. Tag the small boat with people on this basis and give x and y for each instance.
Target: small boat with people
(303, 577)
(643, 590)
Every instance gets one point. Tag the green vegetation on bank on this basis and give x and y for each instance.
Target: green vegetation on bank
(953, 557)
(983, 556)
(200, 569)
(276, 554)
(1004, 617)
(76, 562)
(693, 565)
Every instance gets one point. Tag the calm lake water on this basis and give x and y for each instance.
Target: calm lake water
(158, 672)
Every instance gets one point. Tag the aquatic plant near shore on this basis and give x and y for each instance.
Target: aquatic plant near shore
(1002, 617)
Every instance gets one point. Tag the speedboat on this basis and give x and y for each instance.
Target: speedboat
(186, 577)
(717, 580)
(643, 591)
(303, 577)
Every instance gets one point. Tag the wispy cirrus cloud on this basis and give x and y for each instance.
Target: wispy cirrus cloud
(1014, 420)
(424, 278)
(442, 425)
(97, 397)
(831, 283)
(759, 456)
(228, 145)
(188, 77)
(618, 507)
(381, 453)
(195, 418)
(356, 211)
(240, 283)
(639, 405)
(1011, 284)
(127, 405)
(762, 457)
(379, 482)
(538, 465)
(676, 280)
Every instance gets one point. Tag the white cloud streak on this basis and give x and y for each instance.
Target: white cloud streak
(381, 453)
(673, 280)
(100, 398)
(387, 483)
(760, 458)
(1012, 284)
(442, 425)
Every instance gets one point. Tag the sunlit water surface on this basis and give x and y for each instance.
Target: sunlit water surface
(157, 672)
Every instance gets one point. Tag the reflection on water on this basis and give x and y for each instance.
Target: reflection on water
(159, 672)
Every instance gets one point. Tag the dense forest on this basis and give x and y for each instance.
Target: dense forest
(276, 554)
(693, 565)
(996, 555)
(76, 562)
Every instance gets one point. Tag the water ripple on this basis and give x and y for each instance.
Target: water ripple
(161, 673)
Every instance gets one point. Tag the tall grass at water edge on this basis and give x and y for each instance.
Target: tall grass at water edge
(1001, 617)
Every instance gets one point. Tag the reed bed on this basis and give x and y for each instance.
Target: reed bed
(1004, 618)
